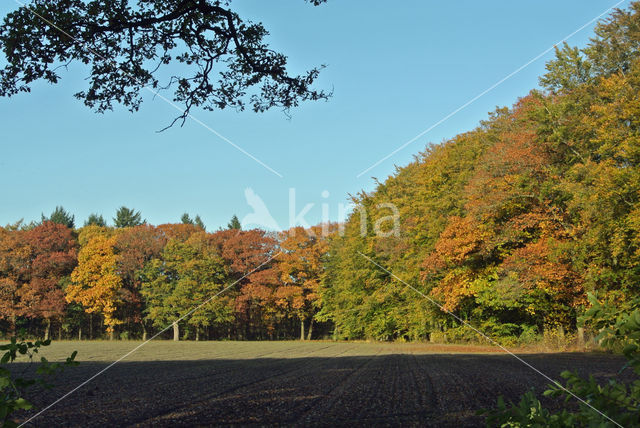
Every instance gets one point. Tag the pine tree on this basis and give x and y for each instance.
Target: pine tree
(198, 222)
(95, 220)
(234, 223)
(126, 217)
(60, 216)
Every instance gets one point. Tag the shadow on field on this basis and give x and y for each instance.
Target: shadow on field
(393, 389)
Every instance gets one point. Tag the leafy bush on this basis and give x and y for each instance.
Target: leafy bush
(12, 390)
(506, 334)
(618, 330)
(529, 335)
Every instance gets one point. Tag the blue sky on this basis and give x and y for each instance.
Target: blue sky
(395, 68)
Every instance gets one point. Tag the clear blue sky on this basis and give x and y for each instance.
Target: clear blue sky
(395, 68)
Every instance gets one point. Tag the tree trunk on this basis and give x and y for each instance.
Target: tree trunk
(90, 326)
(581, 336)
(301, 328)
(111, 333)
(310, 329)
(197, 334)
(80, 333)
(60, 332)
(176, 332)
(144, 331)
(13, 325)
(47, 328)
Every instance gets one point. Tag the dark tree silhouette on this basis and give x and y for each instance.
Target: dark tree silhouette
(60, 216)
(95, 220)
(197, 221)
(224, 61)
(185, 219)
(234, 223)
(126, 217)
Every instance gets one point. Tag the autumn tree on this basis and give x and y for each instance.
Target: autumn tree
(248, 256)
(301, 268)
(425, 193)
(184, 277)
(225, 61)
(179, 231)
(502, 259)
(14, 263)
(95, 281)
(134, 247)
(53, 256)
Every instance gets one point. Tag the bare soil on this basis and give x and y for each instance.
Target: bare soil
(296, 383)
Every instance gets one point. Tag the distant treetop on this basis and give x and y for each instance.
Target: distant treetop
(95, 220)
(234, 223)
(60, 216)
(126, 217)
(197, 221)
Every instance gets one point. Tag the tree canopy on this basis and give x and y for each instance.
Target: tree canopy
(127, 217)
(95, 220)
(130, 46)
(509, 226)
(60, 216)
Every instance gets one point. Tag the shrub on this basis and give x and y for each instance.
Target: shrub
(13, 390)
(619, 329)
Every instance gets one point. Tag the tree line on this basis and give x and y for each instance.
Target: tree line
(509, 226)
(512, 224)
(134, 278)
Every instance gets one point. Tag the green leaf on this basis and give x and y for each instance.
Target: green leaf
(4, 382)
(22, 404)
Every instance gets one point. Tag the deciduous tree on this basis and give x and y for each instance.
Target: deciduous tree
(53, 256)
(95, 281)
(225, 61)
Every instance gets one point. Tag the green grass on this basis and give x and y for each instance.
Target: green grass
(163, 350)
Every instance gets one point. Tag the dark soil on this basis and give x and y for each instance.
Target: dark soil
(288, 383)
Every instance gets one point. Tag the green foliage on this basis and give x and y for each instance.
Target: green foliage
(13, 389)
(185, 219)
(234, 223)
(619, 401)
(95, 220)
(184, 277)
(197, 221)
(569, 70)
(618, 329)
(225, 61)
(126, 217)
(510, 225)
(60, 216)
(614, 49)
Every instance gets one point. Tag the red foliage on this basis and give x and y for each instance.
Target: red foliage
(53, 256)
